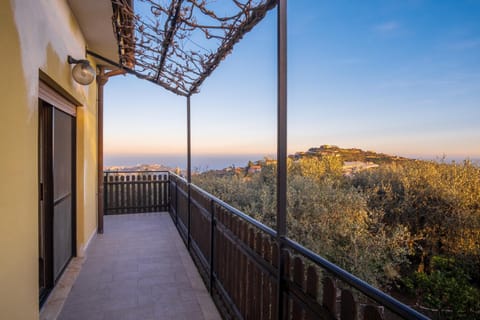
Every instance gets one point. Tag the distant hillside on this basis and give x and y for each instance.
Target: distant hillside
(348, 155)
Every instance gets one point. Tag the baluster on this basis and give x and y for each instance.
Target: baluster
(251, 277)
(122, 195)
(235, 263)
(266, 299)
(330, 296)
(166, 192)
(372, 313)
(117, 195)
(258, 278)
(348, 309)
(144, 193)
(154, 207)
(243, 270)
(299, 280)
(134, 194)
(212, 245)
(312, 289)
(128, 191)
(111, 197)
(287, 273)
(274, 284)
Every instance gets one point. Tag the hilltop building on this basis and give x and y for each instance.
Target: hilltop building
(352, 167)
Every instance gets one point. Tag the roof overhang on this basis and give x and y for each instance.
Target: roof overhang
(95, 20)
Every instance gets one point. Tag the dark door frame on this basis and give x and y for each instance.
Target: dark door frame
(45, 220)
(46, 205)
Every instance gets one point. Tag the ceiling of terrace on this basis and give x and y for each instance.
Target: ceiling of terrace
(177, 44)
(94, 18)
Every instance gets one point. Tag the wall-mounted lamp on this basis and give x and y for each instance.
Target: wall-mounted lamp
(82, 72)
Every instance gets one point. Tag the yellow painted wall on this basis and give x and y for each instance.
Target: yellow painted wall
(36, 35)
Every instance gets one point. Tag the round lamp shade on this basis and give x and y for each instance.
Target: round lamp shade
(83, 72)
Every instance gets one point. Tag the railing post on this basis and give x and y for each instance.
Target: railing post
(212, 242)
(169, 195)
(105, 193)
(176, 204)
(281, 147)
(189, 171)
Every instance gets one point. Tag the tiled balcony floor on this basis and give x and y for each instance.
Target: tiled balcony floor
(138, 269)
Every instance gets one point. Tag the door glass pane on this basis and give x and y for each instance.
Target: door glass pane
(62, 235)
(62, 155)
(62, 190)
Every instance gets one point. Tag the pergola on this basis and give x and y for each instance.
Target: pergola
(177, 44)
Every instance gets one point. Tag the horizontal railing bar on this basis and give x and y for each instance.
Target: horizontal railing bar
(377, 295)
(203, 261)
(222, 291)
(183, 192)
(182, 179)
(233, 210)
(128, 208)
(136, 182)
(204, 212)
(183, 230)
(293, 290)
(134, 172)
(250, 253)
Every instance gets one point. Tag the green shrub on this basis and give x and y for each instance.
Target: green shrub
(446, 288)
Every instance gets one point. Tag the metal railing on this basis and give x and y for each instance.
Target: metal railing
(135, 191)
(237, 257)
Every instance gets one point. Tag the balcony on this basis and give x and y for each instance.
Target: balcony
(138, 269)
(140, 265)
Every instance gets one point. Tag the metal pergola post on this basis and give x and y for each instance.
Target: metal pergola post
(189, 170)
(281, 146)
(101, 81)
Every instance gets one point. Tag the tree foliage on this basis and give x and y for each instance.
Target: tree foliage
(387, 225)
(438, 202)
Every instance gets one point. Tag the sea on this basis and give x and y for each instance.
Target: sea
(200, 163)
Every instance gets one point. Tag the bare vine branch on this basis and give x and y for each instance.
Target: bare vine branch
(178, 43)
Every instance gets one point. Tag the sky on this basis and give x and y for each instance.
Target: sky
(398, 77)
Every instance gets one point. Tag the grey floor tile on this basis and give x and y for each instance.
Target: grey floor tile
(138, 269)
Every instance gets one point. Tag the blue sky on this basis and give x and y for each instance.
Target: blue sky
(400, 77)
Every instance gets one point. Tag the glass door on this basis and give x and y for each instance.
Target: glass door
(57, 196)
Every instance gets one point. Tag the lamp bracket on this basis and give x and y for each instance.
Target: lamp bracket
(75, 61)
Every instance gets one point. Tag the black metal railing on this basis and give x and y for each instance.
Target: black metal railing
(237, 257)
(135, 191)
